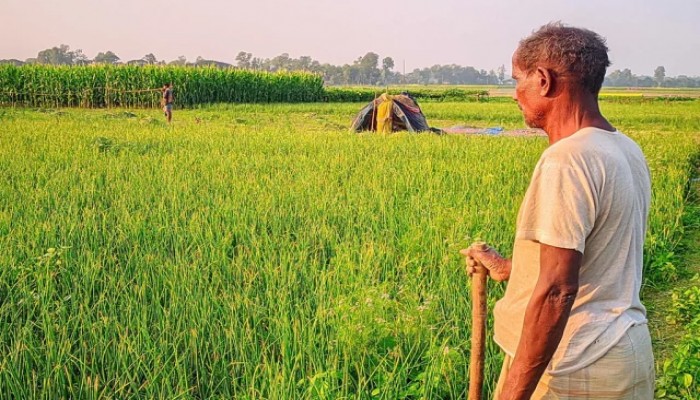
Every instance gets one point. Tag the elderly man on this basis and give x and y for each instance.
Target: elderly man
(571, 323)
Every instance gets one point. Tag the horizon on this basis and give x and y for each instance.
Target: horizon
(447, 32)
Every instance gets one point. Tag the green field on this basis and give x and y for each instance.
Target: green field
(261, 251)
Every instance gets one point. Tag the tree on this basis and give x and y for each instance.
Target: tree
(643, 81)
(60, 55)
(282, 61)
(492, 78)
(387, 65)
(684, 81)
(315, 67)
(621, 78)
(367, 64)
(12, 61)
(243, 59)
(181, 61)
(203, 62)
(659, 75)
(79, 58)
(351, 74)
(256, 63)
(501, 74)
(304, 63)
(369, 61)
(106, 58)
(483, 76)
(150, 59)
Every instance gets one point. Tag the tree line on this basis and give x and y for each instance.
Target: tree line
(365, 70)
(625, 78)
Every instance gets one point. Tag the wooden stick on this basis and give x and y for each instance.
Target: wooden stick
(476, 362)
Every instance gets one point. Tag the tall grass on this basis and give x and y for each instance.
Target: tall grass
(258, 251)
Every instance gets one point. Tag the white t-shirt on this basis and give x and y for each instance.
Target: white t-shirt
(589, 192)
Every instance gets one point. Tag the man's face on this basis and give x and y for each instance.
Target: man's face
(527, 95)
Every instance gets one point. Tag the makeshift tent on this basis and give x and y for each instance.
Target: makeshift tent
(391, 113)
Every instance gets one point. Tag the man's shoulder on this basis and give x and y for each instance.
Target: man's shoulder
(589, 144)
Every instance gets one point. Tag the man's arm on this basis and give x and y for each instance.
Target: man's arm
(545, 319)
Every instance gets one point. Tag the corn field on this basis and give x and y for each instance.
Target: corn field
(98, 86)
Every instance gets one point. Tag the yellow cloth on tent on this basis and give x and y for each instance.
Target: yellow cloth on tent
(384, 114)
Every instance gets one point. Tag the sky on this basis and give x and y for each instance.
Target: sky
(641, 34)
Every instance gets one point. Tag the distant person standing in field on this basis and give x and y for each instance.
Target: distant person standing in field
(167, 101)
(571, 322)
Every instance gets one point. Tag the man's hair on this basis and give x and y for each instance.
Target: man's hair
(577, 52)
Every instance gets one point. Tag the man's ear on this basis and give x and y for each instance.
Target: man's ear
(545, 79)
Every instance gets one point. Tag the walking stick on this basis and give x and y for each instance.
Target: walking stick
(476, 362)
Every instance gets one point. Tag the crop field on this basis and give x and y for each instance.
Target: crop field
(262, 251)
(97, 86)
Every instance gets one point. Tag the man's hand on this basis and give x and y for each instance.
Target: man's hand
(497, 266)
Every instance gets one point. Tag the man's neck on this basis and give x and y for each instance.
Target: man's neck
(571, 113)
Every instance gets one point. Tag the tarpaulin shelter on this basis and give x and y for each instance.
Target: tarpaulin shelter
(390, 113)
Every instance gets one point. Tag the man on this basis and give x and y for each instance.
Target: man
(167, 101)
(571, 323)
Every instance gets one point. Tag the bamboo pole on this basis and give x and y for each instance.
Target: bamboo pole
(476, 362)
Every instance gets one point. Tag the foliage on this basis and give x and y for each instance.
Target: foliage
(660, 75)
(106, 58)
(680, 376)
(679, 379)
(686, 304)
(61, 55)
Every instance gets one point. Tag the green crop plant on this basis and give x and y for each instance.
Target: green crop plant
(47, 86)
(261, 251)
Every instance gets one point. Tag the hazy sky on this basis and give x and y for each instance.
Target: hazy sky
(641, 34)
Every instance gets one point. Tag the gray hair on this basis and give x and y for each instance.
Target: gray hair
(577, 52)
